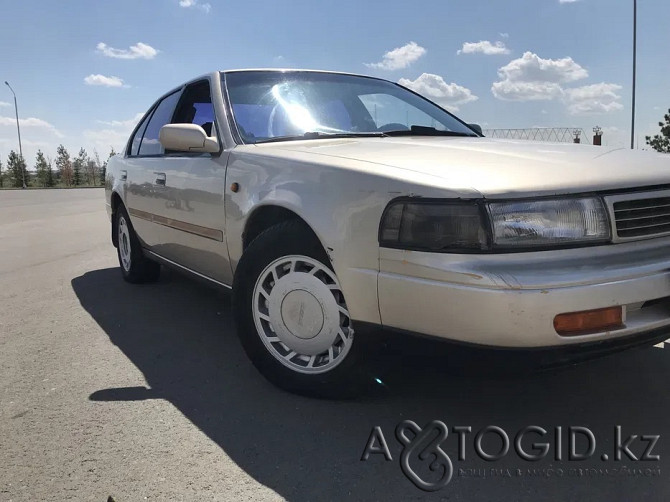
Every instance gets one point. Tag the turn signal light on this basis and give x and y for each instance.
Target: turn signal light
(589, 321)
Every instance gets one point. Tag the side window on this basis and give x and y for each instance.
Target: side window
(135, 145)
(195, 107)
(150, 144)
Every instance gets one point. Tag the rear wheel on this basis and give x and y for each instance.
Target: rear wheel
(292, 317)
(135, 267)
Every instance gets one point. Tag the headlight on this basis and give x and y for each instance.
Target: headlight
(546, 223)
(434, 226)
(472, 227)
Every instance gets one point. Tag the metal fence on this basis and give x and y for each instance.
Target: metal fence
(550, 134)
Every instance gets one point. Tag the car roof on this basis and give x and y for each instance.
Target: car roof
(214, 74)
(283, 70)
(278, 70)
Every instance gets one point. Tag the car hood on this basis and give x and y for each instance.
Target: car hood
(496, 168)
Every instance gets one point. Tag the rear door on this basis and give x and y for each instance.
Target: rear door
(145, 192)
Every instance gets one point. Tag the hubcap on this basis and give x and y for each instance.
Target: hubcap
(124, 244)
(301, 316)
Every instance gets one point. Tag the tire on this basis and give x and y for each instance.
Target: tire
(135, 267)
(291, 316)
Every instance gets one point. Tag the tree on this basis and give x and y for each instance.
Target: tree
(15, 169)
(103, 169)
(78, 166)
(91, 172)
(94, 167)
(2, 176)
(661, 142)
(76, 172)
(41, 170)
(64, 166)
(50, 174)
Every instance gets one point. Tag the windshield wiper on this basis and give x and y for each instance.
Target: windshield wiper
(417, 130)
(324, 135)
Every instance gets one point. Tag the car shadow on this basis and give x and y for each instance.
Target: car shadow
(180, 335)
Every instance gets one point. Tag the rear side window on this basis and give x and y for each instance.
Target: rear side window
(204, 112)
(163, 114)
(137, 139)
(195, 107)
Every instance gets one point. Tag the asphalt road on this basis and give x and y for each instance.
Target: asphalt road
(144, 393)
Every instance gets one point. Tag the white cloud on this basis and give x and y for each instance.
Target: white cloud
(128, 124)
(531, 77)
(29, 147)
(596, 98)
(35, 133)
(205, 7)
(504, 35)
(436, 89)
(567, 1)
(97, 79)
(104, 139)
(531, 67)
(115, 134)
(509, 90)
(4, 103)
(616, 137)
(31, 123)
(137, 51)
(484, 47)
(399, 58)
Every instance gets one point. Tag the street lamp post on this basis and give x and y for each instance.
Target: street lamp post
(632, 127)
(18, 129)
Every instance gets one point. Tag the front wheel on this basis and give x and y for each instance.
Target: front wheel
(292, 317)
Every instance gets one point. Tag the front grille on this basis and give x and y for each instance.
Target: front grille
(642, 217)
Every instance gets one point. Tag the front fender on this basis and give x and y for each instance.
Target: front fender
(343, 211)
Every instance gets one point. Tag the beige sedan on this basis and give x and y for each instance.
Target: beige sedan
(336, 206)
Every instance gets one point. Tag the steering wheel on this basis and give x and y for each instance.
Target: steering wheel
(393, 126)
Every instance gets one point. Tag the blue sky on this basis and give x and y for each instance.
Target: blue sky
(84, 70)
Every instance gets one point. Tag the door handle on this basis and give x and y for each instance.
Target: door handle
(160, 179)
(124, 175)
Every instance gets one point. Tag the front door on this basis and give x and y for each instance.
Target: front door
(188, 210)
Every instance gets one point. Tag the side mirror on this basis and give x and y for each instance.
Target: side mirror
(187, 138)
(477, 128)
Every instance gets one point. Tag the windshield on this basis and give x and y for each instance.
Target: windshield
(272, 105)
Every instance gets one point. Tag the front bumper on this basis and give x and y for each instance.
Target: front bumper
(482, 358)
(510, 300)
